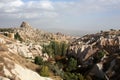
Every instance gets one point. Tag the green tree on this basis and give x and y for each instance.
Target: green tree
(63, 48)
(17, 36)
(47, 49)
(98, 56)
(73, 76)
(55, 48)
(38, 60)
(72, 64)
(81, 77)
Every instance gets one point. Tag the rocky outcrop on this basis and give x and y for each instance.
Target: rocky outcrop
(25, 25)
(30, 34)
(13, 63)
(11, 69)
(3, 78)
(98, 52)
(26, 50)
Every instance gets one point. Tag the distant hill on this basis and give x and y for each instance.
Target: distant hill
(30, 34)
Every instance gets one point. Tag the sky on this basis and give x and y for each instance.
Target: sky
(69, 16)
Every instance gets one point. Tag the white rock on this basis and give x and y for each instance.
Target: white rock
(45, 57)
(26, 74)
(3, 78)
(17, 72)
(83, 47)
(6, 72)
(2, 41)
(23, 51)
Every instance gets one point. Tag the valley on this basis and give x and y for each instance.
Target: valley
(27, 53)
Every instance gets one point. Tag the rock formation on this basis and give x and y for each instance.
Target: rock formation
(13, 65)
(29, 34)
(97, 54)
(25, 25)
(101, 51)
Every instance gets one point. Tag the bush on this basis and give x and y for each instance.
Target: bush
(48, 49)
(5, 34)
(98, 56)
(81, 77)
(72, 64)
(44, 71)
(38, 60)
(73, 76)
(17, 36)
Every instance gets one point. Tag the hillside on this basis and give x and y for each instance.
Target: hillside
(19, 48)
(98, 55)
(13, 66)
(26, 50)
(29, 34)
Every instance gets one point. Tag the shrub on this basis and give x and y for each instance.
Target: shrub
(72, 64)
(17, 36)
(98, 56)
(81, 77)
(88, 77)
(64, 48)
(38, 60)
(73, 76)
(5, 34)
(44, 71)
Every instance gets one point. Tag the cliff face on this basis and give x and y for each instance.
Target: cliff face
(101, 51)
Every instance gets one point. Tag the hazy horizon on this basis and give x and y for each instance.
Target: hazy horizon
(76, 17)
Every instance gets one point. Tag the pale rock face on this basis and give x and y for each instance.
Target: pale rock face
(18, 72)
(3, 78)
(11, 35)
(20, 49)
(29, 51)
(6, 72)
(100, 66)
(23, 51)
(45, 57)
(2, 41)
(109, 41)
(26, 74)
(83, 47)
(38, 48)
(104, 41)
